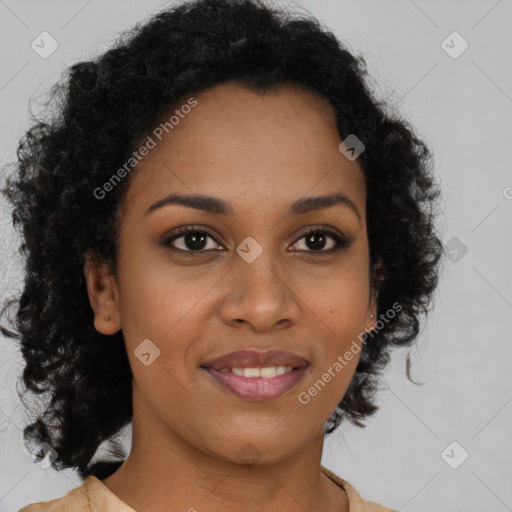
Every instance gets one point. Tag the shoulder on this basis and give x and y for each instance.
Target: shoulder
(91, 496)
(76, 500)
(355, 500)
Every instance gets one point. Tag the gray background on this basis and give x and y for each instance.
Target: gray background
(462, 107)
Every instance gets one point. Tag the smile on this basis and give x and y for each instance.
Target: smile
(257, 384)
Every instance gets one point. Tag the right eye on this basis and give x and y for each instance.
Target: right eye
(192, 240)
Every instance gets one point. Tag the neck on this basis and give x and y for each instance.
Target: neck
(165, 472)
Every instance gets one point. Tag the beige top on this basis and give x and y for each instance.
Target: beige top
(94, 496)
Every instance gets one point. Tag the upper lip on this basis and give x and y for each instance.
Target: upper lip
(251, 358)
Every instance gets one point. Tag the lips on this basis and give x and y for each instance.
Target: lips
(255, 375)
(257, 359)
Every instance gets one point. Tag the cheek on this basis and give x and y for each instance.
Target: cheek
(318, 398)
(338, 300)
(156, 298)
(159, 305)
(338, 308)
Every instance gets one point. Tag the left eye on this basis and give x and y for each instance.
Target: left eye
(196, 241)
(317, 237)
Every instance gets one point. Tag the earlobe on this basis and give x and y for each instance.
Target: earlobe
(372, 310)
(372, 323)
(103, 297)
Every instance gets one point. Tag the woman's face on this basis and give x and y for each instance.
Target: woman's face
(255, 280)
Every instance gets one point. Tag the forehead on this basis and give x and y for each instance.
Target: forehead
(248, 147)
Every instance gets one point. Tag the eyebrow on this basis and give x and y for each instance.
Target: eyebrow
(218, 206)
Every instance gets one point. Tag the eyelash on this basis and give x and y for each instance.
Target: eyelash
(341, 242)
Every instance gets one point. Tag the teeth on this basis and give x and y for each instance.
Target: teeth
(268, 372)
(281, 369)
(251, 372)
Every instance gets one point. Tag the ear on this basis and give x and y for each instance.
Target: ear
(103, 295)
(376, 281)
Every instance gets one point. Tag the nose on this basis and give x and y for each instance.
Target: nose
(260, 296)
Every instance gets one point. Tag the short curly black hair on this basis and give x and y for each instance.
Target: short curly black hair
(101, 111)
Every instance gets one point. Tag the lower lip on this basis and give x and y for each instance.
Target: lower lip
(257, 388)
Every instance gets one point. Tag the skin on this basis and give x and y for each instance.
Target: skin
(258, 152)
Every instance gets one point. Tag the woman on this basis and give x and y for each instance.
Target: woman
(225, 235)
